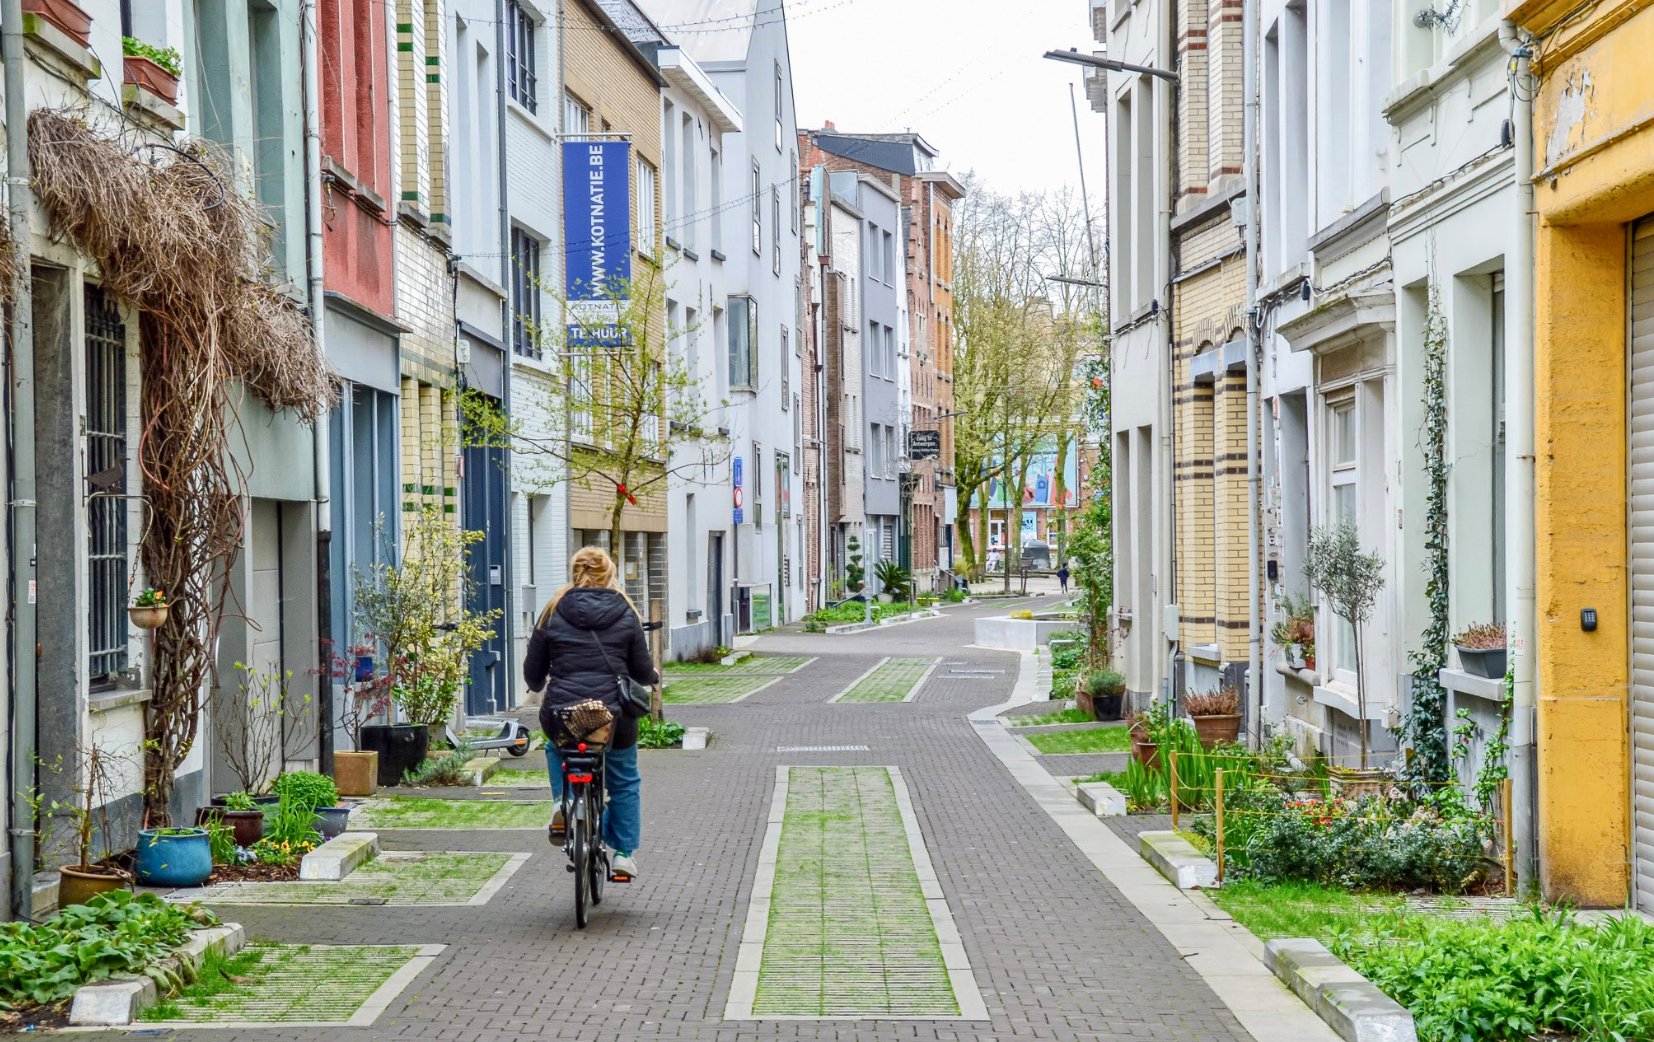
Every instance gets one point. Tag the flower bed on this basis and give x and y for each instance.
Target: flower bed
(1543, 974)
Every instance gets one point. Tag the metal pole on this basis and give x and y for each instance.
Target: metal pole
(1519, 463)
(23, 649)
(320, 447)
(1171, 759)
(1219, 795)
(1254, 399)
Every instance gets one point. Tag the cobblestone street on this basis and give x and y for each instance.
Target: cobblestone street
(1056, 951)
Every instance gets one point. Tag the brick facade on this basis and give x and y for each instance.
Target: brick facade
(356, 153)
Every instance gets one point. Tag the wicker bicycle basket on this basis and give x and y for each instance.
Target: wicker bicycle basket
(589, 721)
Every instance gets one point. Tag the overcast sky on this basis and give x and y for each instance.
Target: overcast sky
(966, 74)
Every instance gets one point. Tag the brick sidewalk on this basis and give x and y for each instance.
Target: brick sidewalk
(1057, 952)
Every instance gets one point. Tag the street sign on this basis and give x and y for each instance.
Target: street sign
(924, 444)
(735, 472)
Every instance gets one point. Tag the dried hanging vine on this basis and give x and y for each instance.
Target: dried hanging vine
(176, 242)
(1424, 729)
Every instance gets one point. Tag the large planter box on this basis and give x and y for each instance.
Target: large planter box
(151, 77)
(401, 748)
(356, 774)
(66, 15)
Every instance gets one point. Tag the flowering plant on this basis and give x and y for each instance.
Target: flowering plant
(150, 597)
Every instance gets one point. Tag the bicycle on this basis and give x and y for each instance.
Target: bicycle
(583, 826)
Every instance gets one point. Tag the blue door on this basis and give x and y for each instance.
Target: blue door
(484, 506)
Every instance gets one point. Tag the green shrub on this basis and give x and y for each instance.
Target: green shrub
(446, 770)
(222, 840)
(1107, 682)
(1486, 980)
(663, 735)
(953, 595)
(308, 788)
(239, 801)
(292, 824)
(113, 933)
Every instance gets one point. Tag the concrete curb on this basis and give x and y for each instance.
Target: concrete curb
(894, 620)
(339, 857)
(735, 657)
(1102, 799)
(1350, 1003)
(696, 738)
(478, 769)
(116, 1003)
(1176, 858)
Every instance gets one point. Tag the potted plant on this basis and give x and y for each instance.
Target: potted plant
(1482, 650)
(151, 68)
(88, 816)
(1293, 632)
(1215, 714)
(1148, 728)
(66, 15)
(174, 857)
(149, 609)
(239, 813)
(316, 791)
(855, 576)
(894, 580)
(426, 632)
(248, 723)
(1349, 581)
(1107, 688)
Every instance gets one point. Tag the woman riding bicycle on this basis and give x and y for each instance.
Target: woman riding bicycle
(587, 633)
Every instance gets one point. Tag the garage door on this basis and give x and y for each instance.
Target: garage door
(1642, 557)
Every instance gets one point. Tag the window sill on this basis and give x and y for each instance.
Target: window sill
(1207, 654)
(691, 254)
(1336, 694)
(1462, 683)
(718, 255)
(532, 119)
(119, 698)
(1306, 676)
(673, 243)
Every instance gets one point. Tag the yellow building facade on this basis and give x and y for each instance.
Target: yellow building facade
(1594, 333)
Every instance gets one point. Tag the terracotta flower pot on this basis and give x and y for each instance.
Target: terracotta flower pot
(1214, 729)
(66, 15)
(150, 76)
(246, 825)
(356, 774)
(148, 616)
(1144, 751)
(77, 885)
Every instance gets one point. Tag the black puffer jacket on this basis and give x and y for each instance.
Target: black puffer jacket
(565, 652)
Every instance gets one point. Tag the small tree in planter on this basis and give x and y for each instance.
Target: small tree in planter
(855, 576)
(366, 698)
(1350, 581)
(96, 774)
(249, 725)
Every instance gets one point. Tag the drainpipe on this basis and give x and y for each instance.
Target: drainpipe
(510, 621)
(1254, 400)
(1519, 473)
(320, 454)
(23, 649)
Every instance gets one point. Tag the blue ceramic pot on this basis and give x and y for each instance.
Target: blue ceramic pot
(330, 821)
(174, 857)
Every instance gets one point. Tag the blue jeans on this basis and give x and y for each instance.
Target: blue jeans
(623, 813)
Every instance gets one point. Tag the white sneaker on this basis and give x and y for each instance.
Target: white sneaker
(623, 865)
(557, 829)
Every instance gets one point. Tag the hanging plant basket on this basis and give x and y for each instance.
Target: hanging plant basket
(148, 616)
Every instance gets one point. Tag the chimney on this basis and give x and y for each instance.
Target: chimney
(829, 125)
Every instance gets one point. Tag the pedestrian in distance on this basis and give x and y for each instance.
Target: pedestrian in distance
(1062, 577)
(588, 632)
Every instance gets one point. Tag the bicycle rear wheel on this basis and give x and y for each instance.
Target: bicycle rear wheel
(598, 860)
(581, 852)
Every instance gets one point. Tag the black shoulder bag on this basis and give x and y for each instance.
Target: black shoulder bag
(636, 700)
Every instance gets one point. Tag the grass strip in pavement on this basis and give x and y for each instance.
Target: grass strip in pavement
(713, 690)
(849, 931)
(515, 778)
(412, 877)
(281, 983)
(893, 680)
(422, 812)
(1066, 716)
(1099, 740)
(767, 665)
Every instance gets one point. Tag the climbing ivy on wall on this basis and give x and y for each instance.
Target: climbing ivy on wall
(1424, 730)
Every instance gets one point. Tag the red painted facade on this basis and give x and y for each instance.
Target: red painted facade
(356, 152)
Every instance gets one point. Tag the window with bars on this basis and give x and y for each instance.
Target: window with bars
(525, 293)
(108, 563)
(519, 56)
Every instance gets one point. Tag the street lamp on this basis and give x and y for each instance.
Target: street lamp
(1068, 281)
(1099, 62)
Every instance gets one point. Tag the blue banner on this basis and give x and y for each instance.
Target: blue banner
(597, 240)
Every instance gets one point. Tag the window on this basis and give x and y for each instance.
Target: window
(743, 342)
(775, 226)
(106, 516)
(577, 118)
(1343, 441)
(888, 258)
(780, 105)
(875, 452)
(716, 210)
(757, 213)
(669, 209)
(872, 254)
(689, 218)
(520, 57)
(798, 202)
(757, 484)
(646, 224)
(525, 293)
(872, 351)
(786, 370)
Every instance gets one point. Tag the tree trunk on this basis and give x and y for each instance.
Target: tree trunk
(1059, 488)
(1360, 695)
(967, 541)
